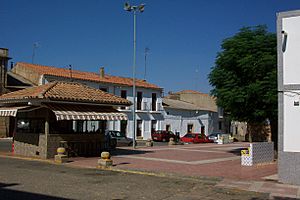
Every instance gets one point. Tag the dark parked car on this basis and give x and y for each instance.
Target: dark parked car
(121, 138)
(195, 138)
(163, 136)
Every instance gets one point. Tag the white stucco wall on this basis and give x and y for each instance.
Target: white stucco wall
(146, 115)
(291, 60)
(291, 71)
(179, 119)
(291, 115)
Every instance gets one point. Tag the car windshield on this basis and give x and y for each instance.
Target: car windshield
(117, 134)
(189, 135)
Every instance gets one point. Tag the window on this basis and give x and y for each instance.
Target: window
(190, 128)
(124, 96)
(79, 126)
(154, 99)
(153, 125)
(168, 127)
(103, 89)
(203, 129)
(31, 126)
(123, 126)
(102, 126)
(220, 125)
(139, 100)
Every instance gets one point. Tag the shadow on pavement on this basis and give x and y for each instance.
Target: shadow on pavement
(118, 152)
(237, 151)
(277, 198)
(10, 194)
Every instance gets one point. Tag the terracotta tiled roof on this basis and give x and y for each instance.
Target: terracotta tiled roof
(182, 105)
(89, 76)
(190, 92)
(201, 100)
(65, 91)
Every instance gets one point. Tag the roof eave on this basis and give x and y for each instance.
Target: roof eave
(39, 101)
(99, 81)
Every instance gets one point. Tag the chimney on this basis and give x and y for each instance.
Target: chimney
(102, 72)
(3, 69)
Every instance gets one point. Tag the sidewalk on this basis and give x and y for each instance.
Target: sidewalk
(198, 161)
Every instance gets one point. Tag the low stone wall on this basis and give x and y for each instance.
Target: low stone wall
(31, 145)
(4, 127)
(34, 145)
(77, 144)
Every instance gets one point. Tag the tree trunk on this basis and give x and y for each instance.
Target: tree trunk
(258, 132)
(274, 133)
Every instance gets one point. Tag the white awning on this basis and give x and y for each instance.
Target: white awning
(10, 111)
(81, 112)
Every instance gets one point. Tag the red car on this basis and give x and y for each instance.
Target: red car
(195, 138)
(163, 136)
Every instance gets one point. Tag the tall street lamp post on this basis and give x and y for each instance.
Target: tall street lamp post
(140, 9)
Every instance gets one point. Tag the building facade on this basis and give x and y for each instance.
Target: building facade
(288, 40)
(148, 96)
(191, 111)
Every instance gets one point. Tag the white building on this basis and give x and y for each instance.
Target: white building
(148, 96)
(288, 45)
(192, 111)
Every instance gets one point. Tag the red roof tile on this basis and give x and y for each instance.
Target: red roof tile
(65, 91)
(89, 76)
(190, 92)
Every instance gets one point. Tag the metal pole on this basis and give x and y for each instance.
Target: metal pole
(35, 45)
(146, 53)
(33, 54)
(133, 79)
(145, 63)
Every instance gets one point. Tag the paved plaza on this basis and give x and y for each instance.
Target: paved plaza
(192, 160)
(200, 160)
(32, 180)
(212, 163)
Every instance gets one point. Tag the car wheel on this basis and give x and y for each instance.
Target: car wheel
(164, 140)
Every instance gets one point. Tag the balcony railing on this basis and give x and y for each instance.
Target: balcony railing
(146, 107)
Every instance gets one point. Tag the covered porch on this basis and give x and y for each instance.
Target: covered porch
(43, 124)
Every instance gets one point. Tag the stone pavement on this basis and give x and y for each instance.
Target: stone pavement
(200, 160)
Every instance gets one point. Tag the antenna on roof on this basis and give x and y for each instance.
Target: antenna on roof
(35, 46)
(70, 69)
(197, 78)
(146, 54)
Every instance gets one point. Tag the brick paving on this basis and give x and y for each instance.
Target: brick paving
(198, 160)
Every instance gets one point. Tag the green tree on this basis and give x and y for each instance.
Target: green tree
(244, 78)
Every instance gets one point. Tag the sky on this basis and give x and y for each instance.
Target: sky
(184, 36)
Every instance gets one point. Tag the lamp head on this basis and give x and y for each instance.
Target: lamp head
(127, 7)
(141, 8)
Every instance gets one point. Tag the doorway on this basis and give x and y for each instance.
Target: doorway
(123, 127)
(190, 128)
(139, 128)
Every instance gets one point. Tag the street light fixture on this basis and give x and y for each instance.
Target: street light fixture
(129, 8)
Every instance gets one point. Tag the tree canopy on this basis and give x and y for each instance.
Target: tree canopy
(244, 77)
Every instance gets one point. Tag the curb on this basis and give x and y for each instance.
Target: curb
(25, 158)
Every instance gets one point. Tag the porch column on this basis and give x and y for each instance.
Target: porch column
(47, 119)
